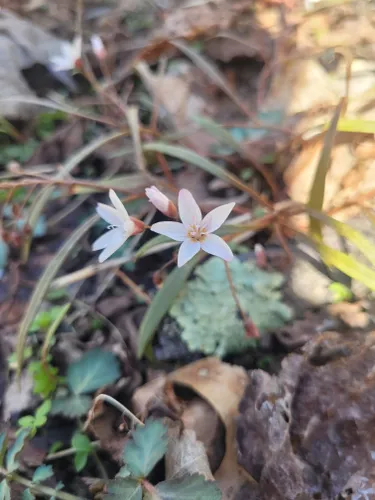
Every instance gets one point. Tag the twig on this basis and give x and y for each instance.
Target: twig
(133, 286)
(39, 488)
(112, 401)
(68, 452)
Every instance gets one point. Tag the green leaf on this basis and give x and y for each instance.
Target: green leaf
(146, 447)
(95, 369)
(27, 495)
(80, 460)
(80, 442)
(318, 186)
(193, 487)
(42, 412)
(340, 293)
(53, 327)
(124, 489)
(11, 463)
(42, 473)
(189, 156)
(72, 406)
(45, 378)
(27, 421)
(154, 245)
(83, 447)
(162, 302)
(3, 446)
(4, 490)
(43, 284)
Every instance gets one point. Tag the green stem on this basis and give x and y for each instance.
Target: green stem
(39, 488)
(68, 452)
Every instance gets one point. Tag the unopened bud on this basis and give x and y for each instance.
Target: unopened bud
(251, 330)
(138, 226)
(260, 256)
(161, 202)
(98, 47)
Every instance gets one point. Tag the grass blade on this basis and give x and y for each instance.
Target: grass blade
(52, 330)
(43, 284)
(40, 201)
(356, 125)
(209, 166)
(318, 186)
(163, 301)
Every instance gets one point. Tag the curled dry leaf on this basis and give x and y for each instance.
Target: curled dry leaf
(222, 386)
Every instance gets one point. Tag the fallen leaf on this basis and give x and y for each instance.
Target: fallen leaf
(222, 386)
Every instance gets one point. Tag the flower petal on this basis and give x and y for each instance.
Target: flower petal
(188, 208)
(187, 250)
(104, 240)
(116, 202)
(118, 238)
(109, 214)
(215, 245)
(174, 230)
(214, 219)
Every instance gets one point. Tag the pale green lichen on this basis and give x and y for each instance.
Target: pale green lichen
(207, 314)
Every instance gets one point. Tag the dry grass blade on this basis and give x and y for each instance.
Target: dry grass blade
(43, 284)
(133, 121)
(318, 186)
(212, 168)
(363, 244)
(213, 73)
(343, 262)
(40, 201)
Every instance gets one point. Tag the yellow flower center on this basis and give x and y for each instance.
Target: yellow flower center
(196, 233)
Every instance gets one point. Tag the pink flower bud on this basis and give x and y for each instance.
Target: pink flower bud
(161, 202)
(98, 47)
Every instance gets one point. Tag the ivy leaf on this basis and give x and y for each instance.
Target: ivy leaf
(3, 446)
(11, 463)
(42, 473)
(146, 447)
(4, 490)
(72, 406)
(83, 448)
(194, 487)
(27, 495)
(95, 369)
(121, 489)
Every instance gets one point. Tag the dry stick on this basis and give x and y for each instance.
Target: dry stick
(59, 182)
(133, 286)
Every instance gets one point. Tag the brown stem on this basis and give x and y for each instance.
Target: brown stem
(234, 294)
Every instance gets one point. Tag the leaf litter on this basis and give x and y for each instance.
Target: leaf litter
(233, 102)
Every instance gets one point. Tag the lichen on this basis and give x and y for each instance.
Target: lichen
(207, 314)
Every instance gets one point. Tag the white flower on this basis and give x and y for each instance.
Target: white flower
(121, 227)
(69, 56)
(195, 232)
(98, 47)
(161, 202)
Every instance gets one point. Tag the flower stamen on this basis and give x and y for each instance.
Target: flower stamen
(196, 233)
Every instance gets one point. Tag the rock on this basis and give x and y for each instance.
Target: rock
(309, 433)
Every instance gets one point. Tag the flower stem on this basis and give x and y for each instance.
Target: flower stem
(234, 294)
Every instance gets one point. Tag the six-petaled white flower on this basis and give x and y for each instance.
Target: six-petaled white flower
(121, 227)
(69, 57)
(161, 202)
(195, 232)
